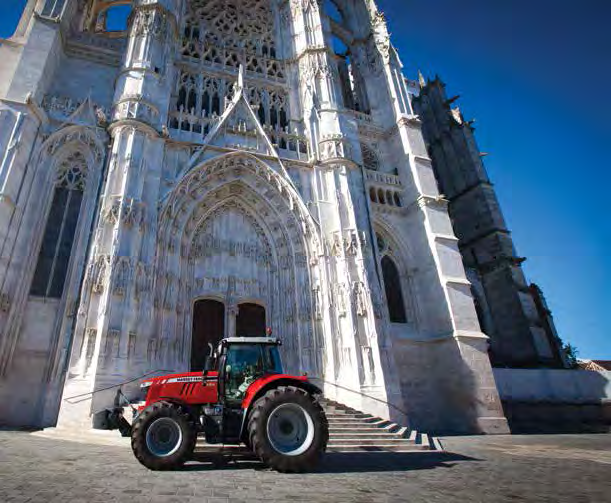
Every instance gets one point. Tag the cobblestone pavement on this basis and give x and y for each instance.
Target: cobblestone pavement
(567, 468)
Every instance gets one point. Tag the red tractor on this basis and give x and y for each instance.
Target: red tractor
(243, 397)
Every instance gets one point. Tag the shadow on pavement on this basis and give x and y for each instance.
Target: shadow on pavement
(389, 461)
(339, 462)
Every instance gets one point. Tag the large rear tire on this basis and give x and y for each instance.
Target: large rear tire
(288, 429)
(163, 436)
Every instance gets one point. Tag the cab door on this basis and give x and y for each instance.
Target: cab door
(242, 364)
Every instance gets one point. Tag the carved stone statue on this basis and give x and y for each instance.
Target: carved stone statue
(360, 298)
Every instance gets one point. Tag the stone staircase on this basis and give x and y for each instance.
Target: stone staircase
(353, 431)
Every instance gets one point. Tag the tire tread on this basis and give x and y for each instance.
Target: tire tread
(257, 432)
(139, 447)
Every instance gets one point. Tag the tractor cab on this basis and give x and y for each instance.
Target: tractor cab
(240, 361)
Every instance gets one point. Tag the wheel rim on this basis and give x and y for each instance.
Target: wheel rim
(163, 437)
(290, 429)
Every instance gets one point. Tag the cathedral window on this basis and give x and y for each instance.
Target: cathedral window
(351, 82)
(200, 99)
(58, 238)
(53, 8)
(236, 28)
(394, 293)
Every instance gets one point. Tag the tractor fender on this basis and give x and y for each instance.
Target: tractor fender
(261, 386)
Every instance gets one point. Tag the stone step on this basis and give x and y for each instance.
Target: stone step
(85, 436)
(349, 416)
(389, 430)
(346, 448)
(370, 441)
(361, 424)
(334, 419)
(364, 434)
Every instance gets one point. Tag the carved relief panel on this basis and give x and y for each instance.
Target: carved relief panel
(232, 257)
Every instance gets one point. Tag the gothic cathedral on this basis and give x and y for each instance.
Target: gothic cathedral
(173, 172)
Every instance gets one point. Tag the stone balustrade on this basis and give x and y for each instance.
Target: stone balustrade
(382, 178)
(191, 127)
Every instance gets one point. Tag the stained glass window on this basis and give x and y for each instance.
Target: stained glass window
(58, 239)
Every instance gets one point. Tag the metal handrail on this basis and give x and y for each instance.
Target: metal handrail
(360, 393)
(90, 394)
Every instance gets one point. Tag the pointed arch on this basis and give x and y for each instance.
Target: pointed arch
(235, 228)
(251, 164)
(70, 168)
(395, 262)
(60, 229)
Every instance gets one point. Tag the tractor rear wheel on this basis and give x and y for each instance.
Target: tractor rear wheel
(288, 429)
(163, 436)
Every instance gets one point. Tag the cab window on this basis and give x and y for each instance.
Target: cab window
(273, 364)
(243, 365)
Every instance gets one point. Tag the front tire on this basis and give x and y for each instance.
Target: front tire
(288, 429)
(163, 436)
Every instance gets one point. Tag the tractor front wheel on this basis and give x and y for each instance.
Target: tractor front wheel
(163, 436)
(288, 429)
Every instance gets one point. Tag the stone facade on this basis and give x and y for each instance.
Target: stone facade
(262, 156)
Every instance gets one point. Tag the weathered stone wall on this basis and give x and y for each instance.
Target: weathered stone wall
(552, 385)
(555, 401)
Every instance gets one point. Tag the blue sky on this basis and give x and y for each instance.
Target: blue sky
(536, 75)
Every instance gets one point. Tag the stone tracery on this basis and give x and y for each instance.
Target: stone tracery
(246, 24)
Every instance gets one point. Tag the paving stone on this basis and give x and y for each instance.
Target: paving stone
(540, 469)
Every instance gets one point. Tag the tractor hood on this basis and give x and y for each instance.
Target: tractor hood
(173, 378)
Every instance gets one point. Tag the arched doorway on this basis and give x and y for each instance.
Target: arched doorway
(250, 321)
(208, 328)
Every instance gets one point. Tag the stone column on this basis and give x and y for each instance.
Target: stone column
(232, 315)
(125, 328)
(353, 337)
